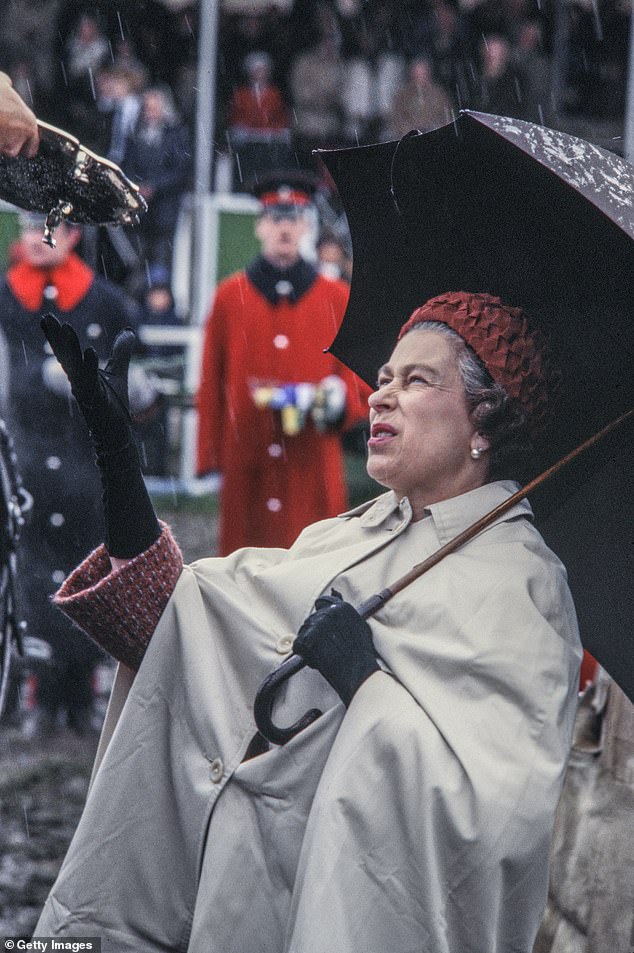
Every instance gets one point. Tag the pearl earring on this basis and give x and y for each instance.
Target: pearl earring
(476, 453)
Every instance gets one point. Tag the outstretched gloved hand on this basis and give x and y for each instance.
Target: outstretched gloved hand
(337, 641)
(102, 396)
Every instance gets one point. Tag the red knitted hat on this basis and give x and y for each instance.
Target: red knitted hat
(515, 354)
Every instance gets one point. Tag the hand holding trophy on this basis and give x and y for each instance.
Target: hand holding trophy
(69, 182)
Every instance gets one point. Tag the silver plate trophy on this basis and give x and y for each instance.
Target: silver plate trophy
(67, 181)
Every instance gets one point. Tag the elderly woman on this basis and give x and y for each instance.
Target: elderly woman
(415, 814)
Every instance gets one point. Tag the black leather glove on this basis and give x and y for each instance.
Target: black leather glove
(337, 641)
(102, 396)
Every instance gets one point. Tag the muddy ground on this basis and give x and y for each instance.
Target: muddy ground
(43, 786)
(44, 781)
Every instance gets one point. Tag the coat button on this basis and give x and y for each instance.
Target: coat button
(216, 770)
(285, 644)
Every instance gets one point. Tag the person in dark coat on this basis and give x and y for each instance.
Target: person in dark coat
(47, 433)
(501, 87)
(158, 157)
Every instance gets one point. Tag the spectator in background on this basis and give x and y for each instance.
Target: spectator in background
(373, 66)
(537, 94)
(333, 256)
(500, 84)
(316, 84)
(158, 309)
(47, 434)
(257, 105)
(271, 404)
(270, 30)
(27, 39)
(596, 58)
(115, 114)
(446, 45)
(258, 121)
(166, 364)
(158, 157)
(420, 103)
(85, 53)
(119, 105)
(31, 86)
(498, 17)
(126, 59)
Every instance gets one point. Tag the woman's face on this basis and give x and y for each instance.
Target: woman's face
(421, 435)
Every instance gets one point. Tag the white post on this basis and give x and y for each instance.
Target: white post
(203, 248)
(205, 145)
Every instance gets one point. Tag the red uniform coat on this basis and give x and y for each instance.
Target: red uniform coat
(258, 108)
(273, 485)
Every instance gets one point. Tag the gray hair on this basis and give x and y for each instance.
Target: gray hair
(476, 379)
(496, 415)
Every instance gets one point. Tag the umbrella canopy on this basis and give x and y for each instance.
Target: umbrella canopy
(545, 221)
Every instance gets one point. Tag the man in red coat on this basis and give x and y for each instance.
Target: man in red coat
(271, 404)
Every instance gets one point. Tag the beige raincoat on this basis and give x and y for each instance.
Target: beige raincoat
(418, 821)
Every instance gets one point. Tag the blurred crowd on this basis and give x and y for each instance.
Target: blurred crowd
(121, 76)
(292, 77)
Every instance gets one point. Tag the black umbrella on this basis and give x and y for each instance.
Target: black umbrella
(538, 217)
(546, 221)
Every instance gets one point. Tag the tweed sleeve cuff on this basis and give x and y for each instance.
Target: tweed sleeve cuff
(120, 609)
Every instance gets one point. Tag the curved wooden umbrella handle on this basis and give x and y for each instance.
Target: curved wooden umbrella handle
(265, 699)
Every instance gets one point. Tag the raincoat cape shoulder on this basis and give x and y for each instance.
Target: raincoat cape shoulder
(417, 820)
